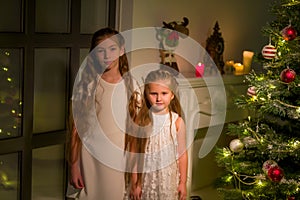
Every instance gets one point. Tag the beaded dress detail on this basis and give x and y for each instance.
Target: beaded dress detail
(161, 173)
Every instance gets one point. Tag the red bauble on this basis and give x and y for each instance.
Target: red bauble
(287, 75)
(289, 33)
(269, 51)
(291, 198)
(275, 173)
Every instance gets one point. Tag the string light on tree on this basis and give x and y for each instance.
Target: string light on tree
(268, 166)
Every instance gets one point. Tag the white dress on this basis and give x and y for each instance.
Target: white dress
(102, 159)
(161, 177)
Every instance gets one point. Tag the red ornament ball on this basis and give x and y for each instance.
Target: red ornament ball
(287, 75)
(269, 51)
(289, 33)
(275, 173)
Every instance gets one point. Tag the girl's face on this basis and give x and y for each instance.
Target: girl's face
(159, 97)
(108, 53)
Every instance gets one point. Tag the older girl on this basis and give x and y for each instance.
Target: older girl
(97, 136)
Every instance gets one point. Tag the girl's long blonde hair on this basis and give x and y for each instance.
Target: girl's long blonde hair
(138, 135)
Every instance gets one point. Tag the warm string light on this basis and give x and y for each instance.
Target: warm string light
(292, 145)
(262, 98)
(226, 152)
(296, 144)
(242, 178)
(228, 178)
(273, 99)
(254, 98)
(269, 95)
(271, 86)
(13, 111)
(255, 133)
(260, 78)
(287, 105)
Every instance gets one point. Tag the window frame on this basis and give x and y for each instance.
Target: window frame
(28, 40)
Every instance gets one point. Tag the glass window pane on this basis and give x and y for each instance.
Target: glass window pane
(48, 173)
(94, 14)
(10, 92)
(52, 16)
(9, 176)
(50, 79)
(11, 16)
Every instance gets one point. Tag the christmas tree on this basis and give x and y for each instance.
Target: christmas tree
(262, 160)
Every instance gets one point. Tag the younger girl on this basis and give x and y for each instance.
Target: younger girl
(160, 141)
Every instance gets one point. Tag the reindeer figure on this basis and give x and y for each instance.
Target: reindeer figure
(168, 37)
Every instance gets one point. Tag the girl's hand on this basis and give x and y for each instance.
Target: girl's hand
(76, 178)
(136, 192)
(181, 191)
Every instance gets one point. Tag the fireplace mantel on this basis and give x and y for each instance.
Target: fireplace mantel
(201, 99)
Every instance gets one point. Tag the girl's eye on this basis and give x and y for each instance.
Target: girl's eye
(113, 48)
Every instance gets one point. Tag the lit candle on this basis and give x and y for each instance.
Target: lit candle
(247, 60)
(199, 70)
(228, 68)
(238, 69)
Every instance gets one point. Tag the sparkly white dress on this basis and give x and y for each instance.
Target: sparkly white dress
(161, 176)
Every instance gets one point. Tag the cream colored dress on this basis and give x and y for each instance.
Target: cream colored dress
(161, 178)
(102, 157)
(161, 172)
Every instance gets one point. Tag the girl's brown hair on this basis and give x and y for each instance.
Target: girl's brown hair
(90, 74)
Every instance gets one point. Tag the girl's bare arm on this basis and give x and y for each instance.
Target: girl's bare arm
(75, 177)
(183, 158)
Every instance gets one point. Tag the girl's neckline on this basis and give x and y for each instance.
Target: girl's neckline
(161, 115)
(110, 83)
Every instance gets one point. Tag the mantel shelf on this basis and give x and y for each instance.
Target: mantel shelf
(213, 80)
(208, 94)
